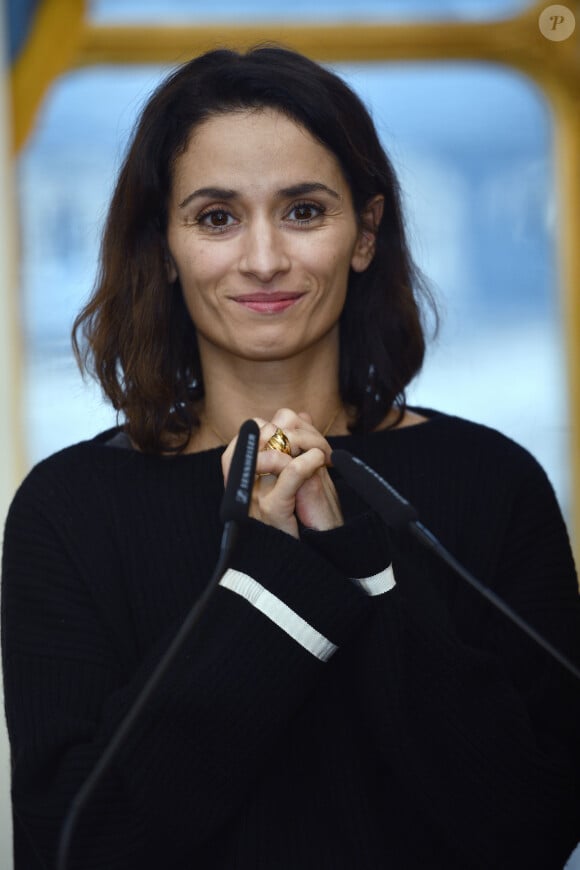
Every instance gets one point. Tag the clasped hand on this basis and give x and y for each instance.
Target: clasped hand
(292, 488)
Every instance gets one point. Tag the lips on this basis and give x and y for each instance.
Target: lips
(268, 303)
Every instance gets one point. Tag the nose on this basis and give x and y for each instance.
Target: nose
(264, 252)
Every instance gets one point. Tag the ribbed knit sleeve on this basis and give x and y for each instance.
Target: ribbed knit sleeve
(208, 730)
(477, 722)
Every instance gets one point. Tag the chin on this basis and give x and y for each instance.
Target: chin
(268, 354)
(267, 348)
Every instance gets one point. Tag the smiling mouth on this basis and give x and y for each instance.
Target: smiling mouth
(268, 303)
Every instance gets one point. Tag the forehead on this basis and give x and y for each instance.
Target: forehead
(255, 144)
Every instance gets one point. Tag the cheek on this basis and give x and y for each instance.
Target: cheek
(325, 254)
(199, 266)
(332, 262)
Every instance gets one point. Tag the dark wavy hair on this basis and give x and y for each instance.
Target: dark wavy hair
(135, 334)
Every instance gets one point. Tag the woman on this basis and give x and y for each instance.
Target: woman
(344, 702)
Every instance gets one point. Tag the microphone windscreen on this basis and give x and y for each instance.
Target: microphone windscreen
(372, 488)
(238, 492)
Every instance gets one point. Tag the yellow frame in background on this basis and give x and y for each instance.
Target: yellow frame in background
(63, 38)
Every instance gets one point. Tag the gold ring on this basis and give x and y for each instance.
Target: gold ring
(279, 441)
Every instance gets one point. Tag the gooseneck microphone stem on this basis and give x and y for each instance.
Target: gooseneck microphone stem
(233, 511)
(228, 540)
(429, 540)
(400, 514)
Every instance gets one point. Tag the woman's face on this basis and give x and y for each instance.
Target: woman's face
(262, 234)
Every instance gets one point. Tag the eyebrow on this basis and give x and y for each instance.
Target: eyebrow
(225, 193)
(308, 187)
(213, 192)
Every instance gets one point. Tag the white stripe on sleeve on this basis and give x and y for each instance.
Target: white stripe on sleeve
(282, 615)
(378, 583)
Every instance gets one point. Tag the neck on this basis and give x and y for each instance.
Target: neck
(237, 389)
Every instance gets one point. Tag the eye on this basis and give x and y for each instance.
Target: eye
(216, 219)
(304, 212)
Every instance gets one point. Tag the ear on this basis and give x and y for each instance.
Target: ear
(370, 219)
(170, 267)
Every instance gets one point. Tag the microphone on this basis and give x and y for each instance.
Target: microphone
(399, 514)
(233, 511)
(380, 495)
(236, 500)
(238, 492)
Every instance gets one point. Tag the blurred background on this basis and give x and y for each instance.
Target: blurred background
(478, 109)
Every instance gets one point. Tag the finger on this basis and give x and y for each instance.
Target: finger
(296, 473)
(269, 464)
(272, 462)
(286, 420)
(300, 432)
(286, 417)
(317, 504)
(263, 485)
(268, 505)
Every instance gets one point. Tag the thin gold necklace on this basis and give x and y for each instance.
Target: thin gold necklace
(327, 429)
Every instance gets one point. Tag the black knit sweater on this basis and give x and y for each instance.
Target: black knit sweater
(309, 721)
